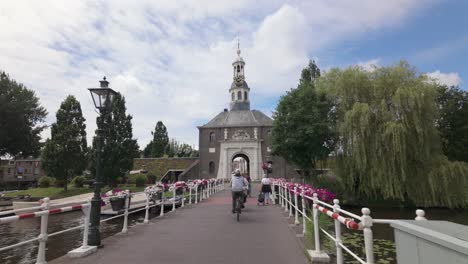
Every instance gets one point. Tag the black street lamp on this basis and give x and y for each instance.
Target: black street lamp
(102, 98)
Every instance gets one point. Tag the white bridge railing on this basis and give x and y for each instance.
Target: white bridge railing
(196, 193)
(288, 198)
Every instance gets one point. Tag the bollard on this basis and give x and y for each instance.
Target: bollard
(127, 205)
(420, 215)
(304, 212)
(146, 221)
(296, 209)
(183, 197)
(173, 198)
(339, 250)
(162, 203)
(41, 258)
(366, 222)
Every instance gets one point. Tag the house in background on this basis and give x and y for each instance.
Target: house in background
(20, 173)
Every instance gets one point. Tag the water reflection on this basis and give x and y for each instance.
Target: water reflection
(59, 245)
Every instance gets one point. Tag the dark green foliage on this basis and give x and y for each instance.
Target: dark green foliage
(148, 149)
(45, 182)
(160, 140)
(78, 181)
(303, 126)
(20, 114)
(453, 122)
(65, 153)
(119, 148)
(140, 180)
(176, 149)
(152, 178)
(389, 145)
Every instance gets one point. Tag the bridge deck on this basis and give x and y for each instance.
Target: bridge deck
(205, 233)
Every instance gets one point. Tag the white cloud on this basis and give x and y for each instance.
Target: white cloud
(369, 65)
(172, 59)
(449, 79)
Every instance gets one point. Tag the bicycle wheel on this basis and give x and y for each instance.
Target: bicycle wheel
(238, 209)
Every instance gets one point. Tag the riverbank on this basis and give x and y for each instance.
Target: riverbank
(59, 192)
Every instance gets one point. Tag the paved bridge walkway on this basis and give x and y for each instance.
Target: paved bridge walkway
(206, 233)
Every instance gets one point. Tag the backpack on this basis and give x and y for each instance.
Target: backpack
(261, 198)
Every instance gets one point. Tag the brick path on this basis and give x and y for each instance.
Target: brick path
(206, 233)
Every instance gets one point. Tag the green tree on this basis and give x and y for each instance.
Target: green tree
(148, 149)
(172, 148)
(389, 145)
(20, 114)
(160, 140)
(452, 122)
(303, 123)
(119, 148)
(64, 154)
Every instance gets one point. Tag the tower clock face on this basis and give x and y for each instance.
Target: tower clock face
(238, 80)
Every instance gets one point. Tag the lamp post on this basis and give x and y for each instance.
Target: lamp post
(102, 98)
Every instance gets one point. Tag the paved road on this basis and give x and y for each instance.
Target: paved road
(206, 233)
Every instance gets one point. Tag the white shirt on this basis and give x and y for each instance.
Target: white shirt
(266, 181)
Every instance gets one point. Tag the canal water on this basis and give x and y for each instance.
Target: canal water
(59, 245)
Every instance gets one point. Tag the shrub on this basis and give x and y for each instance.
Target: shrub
(45, 181)
(152, 178)
(78, 181)
(140, 180)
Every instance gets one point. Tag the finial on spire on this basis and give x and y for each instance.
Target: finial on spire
(238, 46)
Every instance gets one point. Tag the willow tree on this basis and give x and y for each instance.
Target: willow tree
(389, 145)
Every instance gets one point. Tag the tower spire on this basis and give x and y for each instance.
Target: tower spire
(238, 46)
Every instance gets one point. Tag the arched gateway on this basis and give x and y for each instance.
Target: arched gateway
(237, 132)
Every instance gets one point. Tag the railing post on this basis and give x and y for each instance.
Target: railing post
(190, 194)
(208, 191)
(41, 258)
(316, 225)
(304, 212)
(196, 193)
(281, 192)
(339, 250)
(146, 221)
(420, 215)
(84, 250)
(127, 205)
(183, 197)
(366, 222)
(285, 198)
(161, 213)
(173, 197)
(290, 204)
(317, 255)
(273, 194)
(296, 209)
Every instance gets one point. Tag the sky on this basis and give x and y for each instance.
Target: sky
(171, 60)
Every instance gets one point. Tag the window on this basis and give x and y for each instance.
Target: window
(9, 170)
(245, 96)
(239, 95)
(211, 167)
(212, 136)
(238, 68)
(233, 96)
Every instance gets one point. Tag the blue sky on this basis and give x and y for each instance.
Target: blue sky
(172, 59)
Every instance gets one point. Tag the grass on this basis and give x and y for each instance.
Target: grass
(58, 192)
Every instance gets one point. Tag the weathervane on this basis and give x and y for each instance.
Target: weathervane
(238, 46)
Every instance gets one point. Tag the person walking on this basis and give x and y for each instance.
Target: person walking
(249, 180)
(266, 189)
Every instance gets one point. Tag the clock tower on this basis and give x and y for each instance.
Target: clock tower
(240, 99)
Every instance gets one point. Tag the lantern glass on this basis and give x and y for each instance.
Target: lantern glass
(102, 97)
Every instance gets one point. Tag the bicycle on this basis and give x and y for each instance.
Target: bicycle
(238, 207)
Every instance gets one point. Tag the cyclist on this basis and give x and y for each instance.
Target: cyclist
(238, 185)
